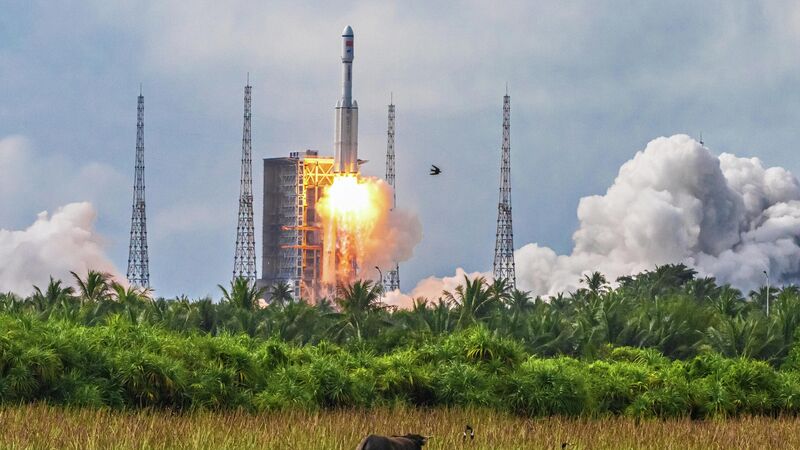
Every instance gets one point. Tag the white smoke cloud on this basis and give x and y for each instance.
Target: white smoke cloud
(395, 233)
(431, 288)
(676, 202)
(52, 245)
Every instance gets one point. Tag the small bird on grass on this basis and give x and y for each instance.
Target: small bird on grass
(468, 431)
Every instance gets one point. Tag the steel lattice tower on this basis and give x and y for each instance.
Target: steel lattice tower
(504, 240)
(392, 279)
(138, 262)
(244, 264)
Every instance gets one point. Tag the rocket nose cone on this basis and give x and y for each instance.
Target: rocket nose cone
(348, 31)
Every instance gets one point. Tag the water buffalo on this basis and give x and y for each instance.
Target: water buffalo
(406, 442)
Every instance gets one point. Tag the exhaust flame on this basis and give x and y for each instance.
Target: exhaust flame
(360, 231)
(349, 211)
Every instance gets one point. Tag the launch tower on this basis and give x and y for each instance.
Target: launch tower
(138, 261)
(392, 279)
(504, 239)
(244, 264)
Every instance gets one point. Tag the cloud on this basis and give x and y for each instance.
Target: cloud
(676, 202)
(52, 245)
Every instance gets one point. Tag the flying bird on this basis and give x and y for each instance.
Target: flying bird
(435, 170)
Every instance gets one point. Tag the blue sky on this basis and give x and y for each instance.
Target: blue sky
(591, 82)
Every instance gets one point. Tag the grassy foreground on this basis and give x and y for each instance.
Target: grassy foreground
(40, 426)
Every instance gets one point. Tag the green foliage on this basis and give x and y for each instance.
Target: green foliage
(120, 364)
(660, 344)
(547, 387)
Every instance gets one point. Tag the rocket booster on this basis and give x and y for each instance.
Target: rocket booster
(346, 132)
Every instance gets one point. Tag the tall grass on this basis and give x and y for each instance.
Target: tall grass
(42, 426)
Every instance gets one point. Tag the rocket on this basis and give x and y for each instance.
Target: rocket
(345, 139)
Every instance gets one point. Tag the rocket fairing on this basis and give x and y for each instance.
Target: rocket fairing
(346, 131)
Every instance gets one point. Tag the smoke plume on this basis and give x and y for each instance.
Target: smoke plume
(430, 288)
(52, 245)
(676, 202)
(394, 235)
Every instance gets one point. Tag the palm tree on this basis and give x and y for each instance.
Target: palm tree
(704, 289)
(356, 302)
(297, 322)
(324, 306)
(728, 302)
(740, 336)
(133, 301)
(499, 290)
(96, 287)
(280, 293)
(474, 299)
(519, 304)
(54, 294)
(596, 282)
(763, 296)
(132, 294)
(243, 294)
(786, 318)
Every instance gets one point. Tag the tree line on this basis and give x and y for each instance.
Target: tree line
(668, 309)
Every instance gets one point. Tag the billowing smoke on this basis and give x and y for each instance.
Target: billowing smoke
(361, 230)
(52, 245)
(676, 202)
(394, 235)
(430, 288)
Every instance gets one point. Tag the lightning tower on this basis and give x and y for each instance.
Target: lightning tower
(138, 261)
(392, 279)
(504, 240)
(244, 264)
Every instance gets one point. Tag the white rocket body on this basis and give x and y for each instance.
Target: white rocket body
(346, 132)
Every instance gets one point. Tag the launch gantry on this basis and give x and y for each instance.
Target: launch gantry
(244, 260)
(392, 279)
(504, 239)
(138, 261)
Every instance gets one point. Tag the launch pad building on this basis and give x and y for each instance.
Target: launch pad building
(292, 237)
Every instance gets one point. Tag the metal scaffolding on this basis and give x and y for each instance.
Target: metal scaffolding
(391, 280)
(292, 251)
(504, 239)
(138, 259)
(244, 260)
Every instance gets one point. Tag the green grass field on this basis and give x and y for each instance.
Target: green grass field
(40, 426)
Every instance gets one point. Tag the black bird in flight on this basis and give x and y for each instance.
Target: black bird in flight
(435, 170)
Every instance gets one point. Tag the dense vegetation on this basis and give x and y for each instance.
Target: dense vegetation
(667, 309)
(662, 343)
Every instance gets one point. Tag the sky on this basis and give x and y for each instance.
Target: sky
(591, 83)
